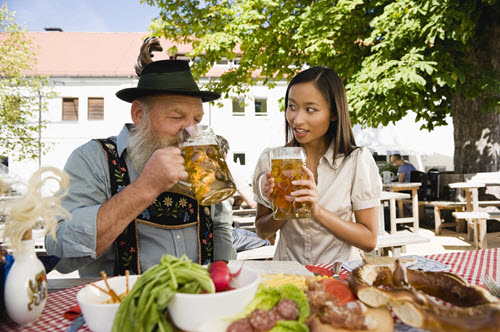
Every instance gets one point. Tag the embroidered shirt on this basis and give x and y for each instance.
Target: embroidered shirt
(90, 187)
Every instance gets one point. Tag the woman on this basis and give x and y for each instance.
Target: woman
(343, 186)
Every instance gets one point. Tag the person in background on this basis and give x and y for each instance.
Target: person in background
(404, 168)
(126, 209)
(344, 186)
(243, 239)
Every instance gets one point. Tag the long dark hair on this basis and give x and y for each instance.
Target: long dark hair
(330, 86)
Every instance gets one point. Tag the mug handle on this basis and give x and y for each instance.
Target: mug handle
(259, 188)
(180, 183)
(185, 184)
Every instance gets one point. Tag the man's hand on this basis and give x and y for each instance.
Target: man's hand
(163, 170)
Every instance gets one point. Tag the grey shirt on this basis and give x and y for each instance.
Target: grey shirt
(90, 187)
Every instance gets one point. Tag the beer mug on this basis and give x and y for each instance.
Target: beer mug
(286, 166)
(387, 177)
(209, 177)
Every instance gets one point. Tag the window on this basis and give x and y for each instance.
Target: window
(238, 107)
(260, 107)
(96, 108)
(4, 160)
(222, 62)
(182, 57)
(70, 109)
(236, 62)
(239, 158)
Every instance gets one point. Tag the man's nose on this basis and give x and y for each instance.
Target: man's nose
(188, 123)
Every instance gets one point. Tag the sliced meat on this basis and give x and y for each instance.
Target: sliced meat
(350, 316)
(241, 325)
(288, 309)
(262, 320)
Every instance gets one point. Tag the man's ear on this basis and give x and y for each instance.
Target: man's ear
(136, 112)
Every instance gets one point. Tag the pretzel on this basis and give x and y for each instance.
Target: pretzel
(411, 294)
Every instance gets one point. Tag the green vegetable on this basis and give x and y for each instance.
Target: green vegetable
(289, 326)
(268, 297)
(143, 309)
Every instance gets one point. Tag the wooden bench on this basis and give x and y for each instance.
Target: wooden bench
(476, 226)
(397, 241)
(265, 252)
(494, 215)
(439, 223)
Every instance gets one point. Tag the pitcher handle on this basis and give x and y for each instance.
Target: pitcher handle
(259, 187)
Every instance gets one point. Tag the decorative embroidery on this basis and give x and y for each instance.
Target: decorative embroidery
(169, 210)
(164, 206)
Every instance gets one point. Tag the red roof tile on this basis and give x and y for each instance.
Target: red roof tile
(97, 54)
(92, 54)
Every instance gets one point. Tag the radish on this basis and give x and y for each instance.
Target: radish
(221, 275)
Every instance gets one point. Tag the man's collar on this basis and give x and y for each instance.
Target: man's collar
(122, 139)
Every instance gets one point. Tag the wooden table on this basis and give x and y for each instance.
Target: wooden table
(406, 186)
(55, 285)
(476, 220)
(395, 241)
(470, 265)
(390, 197)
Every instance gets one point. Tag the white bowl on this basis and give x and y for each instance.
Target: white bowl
(99, 316)
(190, 311)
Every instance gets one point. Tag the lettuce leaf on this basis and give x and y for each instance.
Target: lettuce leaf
(289, 326)
(268, 297)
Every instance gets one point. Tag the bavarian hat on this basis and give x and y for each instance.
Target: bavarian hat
(169, 77)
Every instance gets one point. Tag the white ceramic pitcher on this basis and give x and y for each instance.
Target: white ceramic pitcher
(387, 177)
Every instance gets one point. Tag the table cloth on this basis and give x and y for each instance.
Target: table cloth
(470, 265)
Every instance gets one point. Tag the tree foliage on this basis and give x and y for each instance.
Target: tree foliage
(22, 97)
(395, 56)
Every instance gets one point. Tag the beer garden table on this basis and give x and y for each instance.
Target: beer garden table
(470, 265)
(476, 220)
(394, 241)
(406, 186)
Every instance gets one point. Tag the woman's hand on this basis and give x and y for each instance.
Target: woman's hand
(268, 187)
(309, 193)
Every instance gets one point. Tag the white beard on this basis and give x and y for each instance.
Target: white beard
(143, 142)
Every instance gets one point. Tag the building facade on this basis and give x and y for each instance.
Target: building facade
(87, 69)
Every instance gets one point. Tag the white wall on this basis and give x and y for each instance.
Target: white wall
(429, 149)
(247, 134)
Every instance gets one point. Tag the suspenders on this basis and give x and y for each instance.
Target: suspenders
(170, 210)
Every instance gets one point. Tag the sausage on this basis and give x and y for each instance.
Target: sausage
(262, 320)
(288, 309)
(241, 325)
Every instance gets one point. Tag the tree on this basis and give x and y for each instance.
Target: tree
(22, 97)
(431, 57)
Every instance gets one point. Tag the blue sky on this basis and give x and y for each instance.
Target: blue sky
(83, 15)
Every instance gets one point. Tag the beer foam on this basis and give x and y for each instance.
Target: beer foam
(204, 141)
(288, 158)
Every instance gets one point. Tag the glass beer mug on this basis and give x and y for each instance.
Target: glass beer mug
(209, 177)
(286, 166)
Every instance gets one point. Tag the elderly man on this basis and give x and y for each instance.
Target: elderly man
(126, 208)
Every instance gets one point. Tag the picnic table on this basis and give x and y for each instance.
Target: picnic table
(413, 188)
(476, 219)
(469, 265)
